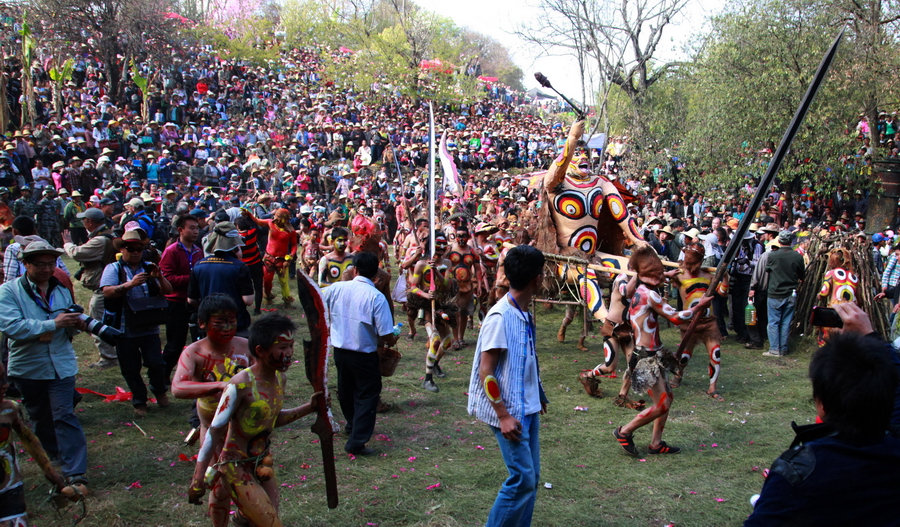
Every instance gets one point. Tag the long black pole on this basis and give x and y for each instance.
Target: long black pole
(766, 181)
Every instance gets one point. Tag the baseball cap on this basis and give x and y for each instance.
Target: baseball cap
(92, 214)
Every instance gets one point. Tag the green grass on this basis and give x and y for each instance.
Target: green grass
(594, 483)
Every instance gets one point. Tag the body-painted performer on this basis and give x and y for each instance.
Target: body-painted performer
(838, 286)
(333, 265)
(467, 272)
(249, 410)
(311, 242)
(693, 282)
(413, 256)
(280, 250)
(650, 360)
(12, 482)
(430, 281)
(204, 370)
(582, 214)
(618, 339)
(490, 256)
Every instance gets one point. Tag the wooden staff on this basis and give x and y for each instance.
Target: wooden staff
(766, 181)
(597, 267)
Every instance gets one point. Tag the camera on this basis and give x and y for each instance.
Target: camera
(106, 333)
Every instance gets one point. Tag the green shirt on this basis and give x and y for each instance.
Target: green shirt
(786, 269)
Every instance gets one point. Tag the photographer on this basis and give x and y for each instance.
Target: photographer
(843, 469)
(42, 361)
(93, 255)
(135, 304)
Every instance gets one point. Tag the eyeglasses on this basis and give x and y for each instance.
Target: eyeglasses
(133, 249)
(43, 265)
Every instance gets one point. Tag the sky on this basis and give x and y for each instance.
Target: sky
(499, 19)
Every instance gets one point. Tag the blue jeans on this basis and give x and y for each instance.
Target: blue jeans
(515, 501)
(781, 311)
(50, 406)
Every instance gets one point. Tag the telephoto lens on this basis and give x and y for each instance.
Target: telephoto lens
(105, 333)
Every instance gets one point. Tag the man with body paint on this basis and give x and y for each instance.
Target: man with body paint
(693, 282)
(204, 370)
(618, 338)
(430, 282)
(505, 388)
(239, 434)
(650, 359)
(281, 250)
(467, 271)
(12, 484)
(333, 264)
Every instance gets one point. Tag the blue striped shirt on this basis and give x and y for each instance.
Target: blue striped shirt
(891, 275)
(517, 373)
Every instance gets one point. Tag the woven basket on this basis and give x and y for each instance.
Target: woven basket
(390, 358)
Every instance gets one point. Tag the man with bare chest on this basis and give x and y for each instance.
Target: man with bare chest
(204, 370)
(650, 360)
(239, 434)
(465, 268)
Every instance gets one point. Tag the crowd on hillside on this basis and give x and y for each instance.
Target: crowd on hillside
(289, 166)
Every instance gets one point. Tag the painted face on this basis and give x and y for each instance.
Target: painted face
(282, 352)
(340, 244)
(440, 245)
(221, 326)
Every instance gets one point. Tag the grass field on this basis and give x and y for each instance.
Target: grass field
(429, 439)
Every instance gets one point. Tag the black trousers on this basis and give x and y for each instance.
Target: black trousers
(138, 351)
(359, 388)
(758, 334)
(256, 276)
(177, 329)
(740, 290)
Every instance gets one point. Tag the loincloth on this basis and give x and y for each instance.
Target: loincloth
(274, 264)
(622, 331)
(706, 329)
(649, 366)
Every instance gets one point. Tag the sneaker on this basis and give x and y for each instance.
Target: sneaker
(753, 346)
(163, 400)
(140, 410)
(626, 442)
(105, 364)
(430, 386)
(773, 353)
(439, 372)
(663, 448)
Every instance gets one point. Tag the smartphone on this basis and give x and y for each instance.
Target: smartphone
(826, 317)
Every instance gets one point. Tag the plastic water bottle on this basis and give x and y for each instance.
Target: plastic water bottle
(750, 314)
(398, 328)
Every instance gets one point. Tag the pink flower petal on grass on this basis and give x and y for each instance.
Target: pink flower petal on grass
(692, 492)
(432, 487)
(479, 447)
(411, 459)
(720, 500)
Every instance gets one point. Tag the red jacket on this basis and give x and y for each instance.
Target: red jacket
(176, 267)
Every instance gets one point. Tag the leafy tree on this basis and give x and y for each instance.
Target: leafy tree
(618, 40)
(114, 30)
(750, 74)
